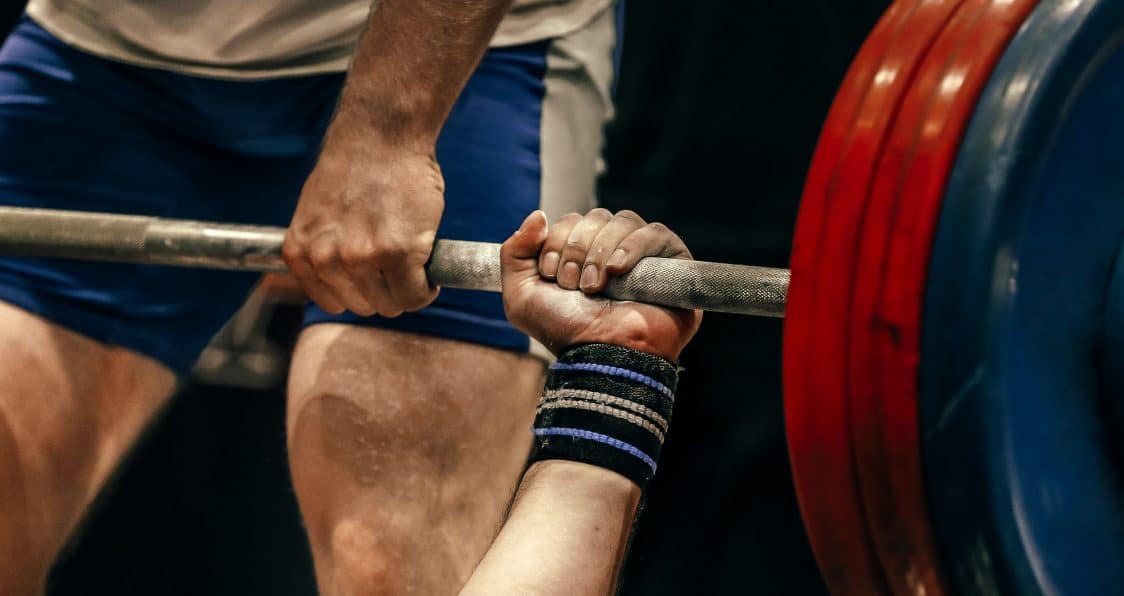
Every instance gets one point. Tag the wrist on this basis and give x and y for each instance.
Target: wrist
(385, 133)
(640, 338)
(353, 158)
(579, 478)
(606, 406)
(640, 344)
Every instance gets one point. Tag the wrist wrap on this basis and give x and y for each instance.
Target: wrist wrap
(607, 406)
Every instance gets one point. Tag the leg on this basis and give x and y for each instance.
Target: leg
(69, 409)
(405, 447)
(181, 146)
(405, 453)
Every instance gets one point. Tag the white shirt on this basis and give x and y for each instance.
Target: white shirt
(246, 39)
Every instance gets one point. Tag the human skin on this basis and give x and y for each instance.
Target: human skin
(70, 408)
(569, 526)
(367, 216)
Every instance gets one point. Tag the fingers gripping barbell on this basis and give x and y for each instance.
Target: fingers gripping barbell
(720, 287)
(954, 334)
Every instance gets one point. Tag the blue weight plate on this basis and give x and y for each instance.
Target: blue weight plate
(1112, 358)
(1024, 489)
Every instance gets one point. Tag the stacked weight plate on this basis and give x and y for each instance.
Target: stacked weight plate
(890, 258)
(819, 416)
(884, 328)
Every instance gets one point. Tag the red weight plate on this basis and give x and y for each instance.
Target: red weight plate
(816, 408)
(889, 279)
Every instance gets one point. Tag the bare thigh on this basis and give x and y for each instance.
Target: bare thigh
(405, 453)
(69, 409)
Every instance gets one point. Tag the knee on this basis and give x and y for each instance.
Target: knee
(359, 562)
(22, 547)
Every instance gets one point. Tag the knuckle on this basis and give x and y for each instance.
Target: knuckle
(629, 215)
(634, 239)
(363, 310)
(596, 253)
(322, 257)
(575, 242)
(600, 213)
(633, 246)
(569, 218)
(352, 261)
(418, 254)
(391, 251)
(292, 251)
(659, 228)
(355, 254)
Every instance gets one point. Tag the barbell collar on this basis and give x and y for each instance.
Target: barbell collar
(717, 287)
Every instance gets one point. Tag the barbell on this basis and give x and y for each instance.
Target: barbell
(719, 287)
(954, 333)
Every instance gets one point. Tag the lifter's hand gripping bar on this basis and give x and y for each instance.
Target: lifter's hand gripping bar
(719, 287)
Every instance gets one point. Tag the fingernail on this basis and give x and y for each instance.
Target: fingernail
(618, 257)
(530, 219)
(589, 276)
(569, 275)
(549, 264)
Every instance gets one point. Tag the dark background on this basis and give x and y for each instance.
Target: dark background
(720, 102)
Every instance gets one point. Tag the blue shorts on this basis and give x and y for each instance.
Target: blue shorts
(85, 133)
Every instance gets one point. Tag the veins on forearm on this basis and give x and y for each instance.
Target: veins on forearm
(411, 64)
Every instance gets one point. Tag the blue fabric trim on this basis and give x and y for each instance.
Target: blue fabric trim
(615, 371)
(436, 322)
(104, 328)
(578, 433)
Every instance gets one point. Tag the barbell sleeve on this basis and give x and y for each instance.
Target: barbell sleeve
(718, 287)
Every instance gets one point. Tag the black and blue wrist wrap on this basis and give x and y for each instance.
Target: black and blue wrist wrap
(608, 406)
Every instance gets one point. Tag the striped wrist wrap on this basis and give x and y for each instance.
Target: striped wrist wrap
(607, 406)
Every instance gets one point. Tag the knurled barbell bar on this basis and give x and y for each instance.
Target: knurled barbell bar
(720, 287)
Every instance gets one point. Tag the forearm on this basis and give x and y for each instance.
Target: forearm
(409, 68)
(566, 534)
(601, 421)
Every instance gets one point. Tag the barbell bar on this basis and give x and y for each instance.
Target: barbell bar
(716, 287)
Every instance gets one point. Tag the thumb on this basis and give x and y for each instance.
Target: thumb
(519, 254)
